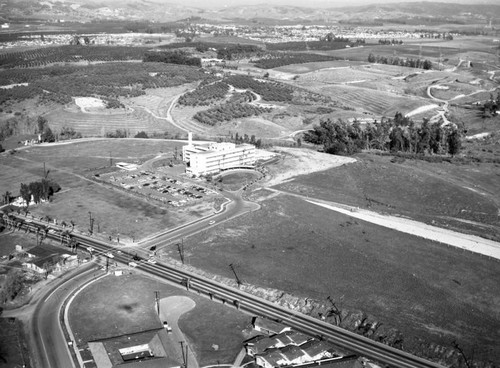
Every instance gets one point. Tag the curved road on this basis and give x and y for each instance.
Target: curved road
(47, 339)
(235, 206)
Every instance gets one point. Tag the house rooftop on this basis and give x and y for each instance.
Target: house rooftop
(45, 251)
(292, 352)
(269, 325)
(292, 337)
(315, 347)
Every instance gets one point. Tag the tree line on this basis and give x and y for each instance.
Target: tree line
(491, 107)
(399, 134)
(394, 60)
(172, 57)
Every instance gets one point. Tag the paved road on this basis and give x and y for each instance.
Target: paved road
(236, 207)
(46, 334)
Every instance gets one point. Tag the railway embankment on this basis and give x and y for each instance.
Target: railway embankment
(356, 321)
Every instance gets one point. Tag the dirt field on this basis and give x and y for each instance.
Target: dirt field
(128, 303)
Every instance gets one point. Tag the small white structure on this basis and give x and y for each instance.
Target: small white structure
(211, 157)
(127, 166)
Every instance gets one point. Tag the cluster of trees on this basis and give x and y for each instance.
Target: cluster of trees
(394, 60)
(69, 133)
(113, 103)
(12, 286)
(118, 133)
(205, 94)
(400, 134)
(172, 57)
(240, 139)
(269, 91)
(277, 60)
(228, 111)
(44, 130)
(390, 42)
(491, 107)
(9, 128)
(38, 190)
(232, 52)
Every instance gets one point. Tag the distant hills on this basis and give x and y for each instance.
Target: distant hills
(161, 11)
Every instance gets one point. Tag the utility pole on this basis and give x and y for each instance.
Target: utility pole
(238, 281)
(157, 299)
(91, 223)
(180, 247)
(183, 355)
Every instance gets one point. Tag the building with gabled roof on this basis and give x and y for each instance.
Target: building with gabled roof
(294, 354)
(271, 358)
(268, 326)
(292, 338)
(316, 350)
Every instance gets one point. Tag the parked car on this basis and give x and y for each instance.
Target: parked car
(167, 327)
(110, 255)
(132, 264)
(152, 261)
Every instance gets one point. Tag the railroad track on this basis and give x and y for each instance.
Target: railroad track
(251, 304)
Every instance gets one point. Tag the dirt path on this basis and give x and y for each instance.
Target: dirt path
(471, 243)
(295, 161)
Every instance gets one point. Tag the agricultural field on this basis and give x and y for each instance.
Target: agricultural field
(373, 103)
(311, 67)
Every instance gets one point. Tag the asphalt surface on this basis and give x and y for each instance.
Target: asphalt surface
(50, 345)
(46, 334)
(236, 207)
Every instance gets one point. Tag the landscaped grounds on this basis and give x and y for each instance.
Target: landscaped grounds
(215, 332)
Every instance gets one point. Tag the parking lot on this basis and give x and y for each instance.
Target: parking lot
(157, 185)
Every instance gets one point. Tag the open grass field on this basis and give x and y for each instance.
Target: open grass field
(472, 120)
(129, 304)
(311, 67)
(9, 240)
(71, 164)
(427, 192)
(429, 291)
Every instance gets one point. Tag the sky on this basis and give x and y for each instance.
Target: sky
(306, 3)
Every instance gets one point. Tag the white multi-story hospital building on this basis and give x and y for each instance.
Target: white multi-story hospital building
(212, 158)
